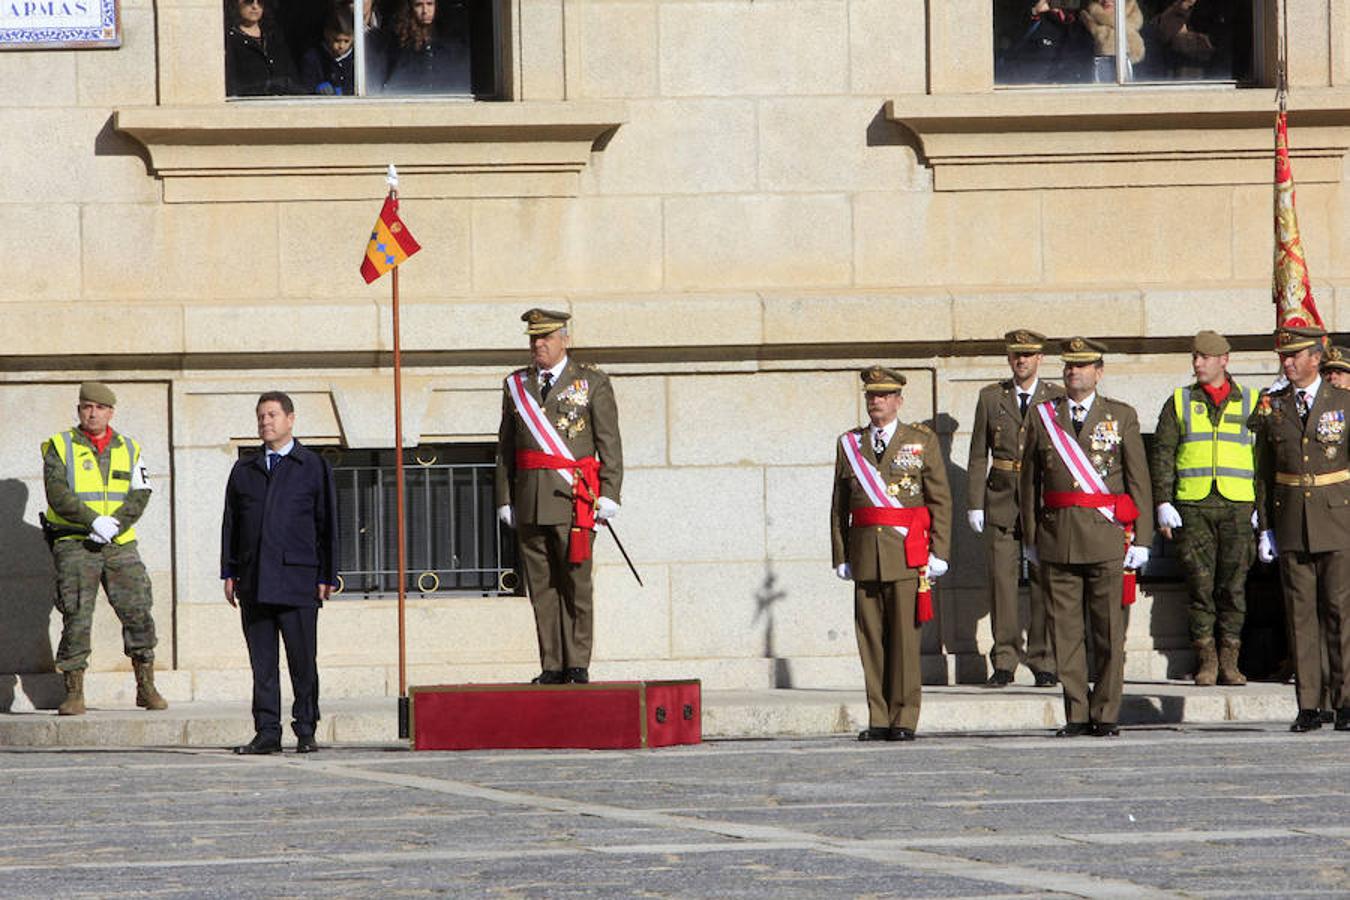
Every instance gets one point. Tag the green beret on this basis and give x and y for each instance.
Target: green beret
(97, 392)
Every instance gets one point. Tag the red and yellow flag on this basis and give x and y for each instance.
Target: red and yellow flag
(1290, 287)
(390, 242)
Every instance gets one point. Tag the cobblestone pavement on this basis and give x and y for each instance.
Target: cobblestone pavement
(1201, 811)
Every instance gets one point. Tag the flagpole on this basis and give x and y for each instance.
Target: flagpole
(398, 489)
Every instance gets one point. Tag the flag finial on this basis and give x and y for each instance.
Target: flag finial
(392, 177)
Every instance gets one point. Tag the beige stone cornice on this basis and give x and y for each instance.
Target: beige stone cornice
(1028, 139)
(305, 150)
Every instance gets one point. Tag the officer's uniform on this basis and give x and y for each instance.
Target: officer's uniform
(887, 583)
(996, 440)
(581, 410)
(1081, 552)
(1203, 464)
(1303, 497)
(82, 485)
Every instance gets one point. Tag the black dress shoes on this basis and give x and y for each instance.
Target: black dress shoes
(1105, 729)
(1343, 719)
(1328, 716)
(1000, 678)
(259, 746)
(1074, 729)
(1046, 679)
(578, 676)
(549, 676)
(874, 733)
(1308, 720)
(306, 744)
(899, 734)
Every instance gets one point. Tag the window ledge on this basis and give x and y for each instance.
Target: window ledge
(300, 150)
(1025, 139)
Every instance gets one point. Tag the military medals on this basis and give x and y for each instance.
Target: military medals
(1331, 427)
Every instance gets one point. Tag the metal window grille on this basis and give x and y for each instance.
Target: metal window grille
(455, 544)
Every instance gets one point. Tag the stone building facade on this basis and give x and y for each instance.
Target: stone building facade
(739, 202)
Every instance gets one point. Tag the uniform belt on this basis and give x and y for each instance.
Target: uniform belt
(1006, 465)
(1306, 479)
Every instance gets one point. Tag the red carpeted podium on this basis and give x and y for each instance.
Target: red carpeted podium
(605, 715)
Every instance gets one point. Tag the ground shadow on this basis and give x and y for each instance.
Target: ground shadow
(965, 585)
(27, 588)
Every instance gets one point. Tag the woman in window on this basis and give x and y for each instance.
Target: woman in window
(421, 58)
(257, 60)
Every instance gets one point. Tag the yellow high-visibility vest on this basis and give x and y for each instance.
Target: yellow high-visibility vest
(86, 479)
(1221, 455)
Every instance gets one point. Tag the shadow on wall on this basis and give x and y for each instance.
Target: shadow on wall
(958, 616)
(766, 598)
(27, 588)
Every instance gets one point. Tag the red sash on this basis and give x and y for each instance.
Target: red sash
(1126, 513)
(585, 493)
(917, 520)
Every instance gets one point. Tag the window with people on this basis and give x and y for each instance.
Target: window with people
(1077, 41)
(403, 48)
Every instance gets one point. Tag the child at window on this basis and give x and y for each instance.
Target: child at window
(328, 67)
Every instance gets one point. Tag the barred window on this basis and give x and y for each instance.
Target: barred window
(455, 543)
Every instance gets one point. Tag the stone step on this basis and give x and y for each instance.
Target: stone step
(726, 714)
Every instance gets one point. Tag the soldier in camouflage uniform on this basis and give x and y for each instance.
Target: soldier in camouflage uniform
(1203, 483)
(96, 491)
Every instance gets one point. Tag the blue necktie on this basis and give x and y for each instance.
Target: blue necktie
(272, 458)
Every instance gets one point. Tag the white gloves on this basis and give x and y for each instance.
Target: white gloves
(936, 567)
(1265, 547)
(1135, 557)
(1029, 551)
(506, 516)
(844, 571)
(105, 528)
(976, 519)
(1168, 517)
(1256, 520)
(606, 508)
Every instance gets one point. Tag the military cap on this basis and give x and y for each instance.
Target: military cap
(1081, 350)
(1210, 343)
(97, 392)
(1293, 338)
(1336, 358)
(544, 321)
(881, 380)
(1024, 341)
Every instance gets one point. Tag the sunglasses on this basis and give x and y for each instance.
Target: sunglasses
(250, 2)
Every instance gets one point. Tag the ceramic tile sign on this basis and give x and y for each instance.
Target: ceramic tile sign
(59, 24)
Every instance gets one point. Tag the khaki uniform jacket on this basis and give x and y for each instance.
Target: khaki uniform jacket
(913, 465)
(1110, 436)
(582, 409)
(1312, 519)
(1000, 431)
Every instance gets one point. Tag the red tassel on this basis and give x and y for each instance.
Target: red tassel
(1127, 588)
(923, 609)
(579, 545)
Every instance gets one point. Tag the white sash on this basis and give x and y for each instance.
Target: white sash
(545, 435)
(1075, 458)
(873, 485)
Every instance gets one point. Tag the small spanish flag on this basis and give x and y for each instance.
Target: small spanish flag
(390, 242)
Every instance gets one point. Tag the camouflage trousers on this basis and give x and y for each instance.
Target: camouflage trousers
(81, 567)
(1217, 547)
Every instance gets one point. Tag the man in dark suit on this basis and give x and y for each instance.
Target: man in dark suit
(278, 557)
(1086, 505)
(1002, 414)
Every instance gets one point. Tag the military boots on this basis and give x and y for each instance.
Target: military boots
(73, 705)
(1228, 662)
(1207, 663)
(146, 695)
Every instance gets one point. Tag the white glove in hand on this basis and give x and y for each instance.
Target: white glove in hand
(1266, 550)
(844, 571)
(1168, 517)
(976, 519)
(106, 528)
(936, 567)
(506, 516)
(606, 508)
(1256, 521)
(1135, 557)
(1029, 551)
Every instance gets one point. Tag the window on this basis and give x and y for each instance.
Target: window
(455, 544)
(403, 48)
(1131, 42)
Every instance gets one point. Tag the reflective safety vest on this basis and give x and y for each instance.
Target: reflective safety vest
(86, 479)
(1221, 455)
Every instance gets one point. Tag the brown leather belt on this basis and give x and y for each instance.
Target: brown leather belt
(1006, 465)
(1294, 479)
